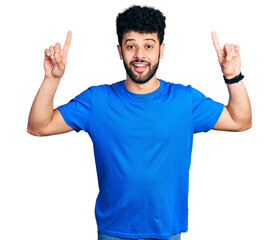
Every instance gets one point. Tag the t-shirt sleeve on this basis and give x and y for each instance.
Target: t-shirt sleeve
(205, 111)
(77, 111)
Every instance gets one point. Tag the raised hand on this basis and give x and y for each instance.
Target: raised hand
(228, 57)
(56, 58)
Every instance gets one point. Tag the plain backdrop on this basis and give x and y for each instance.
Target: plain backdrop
(48, 185)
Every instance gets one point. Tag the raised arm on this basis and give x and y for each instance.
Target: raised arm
(237, 115)
(43, 119)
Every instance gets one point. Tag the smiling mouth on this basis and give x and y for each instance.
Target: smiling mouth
(140, 66)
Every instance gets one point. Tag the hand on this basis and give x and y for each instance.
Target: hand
(228, 57)
(56, 58)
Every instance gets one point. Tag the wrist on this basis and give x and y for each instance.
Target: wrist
(235, 79)
(52, 78)
(50, 83)
(230, 76)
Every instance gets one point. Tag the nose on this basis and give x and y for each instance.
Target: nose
(139, 53)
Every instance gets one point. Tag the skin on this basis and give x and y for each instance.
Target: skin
(136, 47)
(43, 119)
(237, 115)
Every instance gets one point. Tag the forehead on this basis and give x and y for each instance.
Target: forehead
(140, 36)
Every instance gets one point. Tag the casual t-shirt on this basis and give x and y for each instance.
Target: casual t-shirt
(142, 146)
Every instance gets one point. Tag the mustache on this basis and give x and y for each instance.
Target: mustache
(132, 62)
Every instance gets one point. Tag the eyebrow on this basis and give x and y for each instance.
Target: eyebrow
(146, 39)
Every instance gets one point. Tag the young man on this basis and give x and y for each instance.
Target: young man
(141, 128)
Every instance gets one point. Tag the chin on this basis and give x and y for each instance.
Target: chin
(140, 81)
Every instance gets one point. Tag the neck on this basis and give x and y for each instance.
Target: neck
(144, 88)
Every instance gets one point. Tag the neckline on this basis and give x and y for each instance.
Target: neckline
(142, 97)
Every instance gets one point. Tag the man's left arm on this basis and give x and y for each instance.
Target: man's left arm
(237, 115)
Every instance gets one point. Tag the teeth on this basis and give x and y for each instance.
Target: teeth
(140, 65)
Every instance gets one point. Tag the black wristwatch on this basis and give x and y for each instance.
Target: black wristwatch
(234, 80)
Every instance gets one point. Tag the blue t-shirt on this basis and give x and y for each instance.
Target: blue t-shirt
(142, 147)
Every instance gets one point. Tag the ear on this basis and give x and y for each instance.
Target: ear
(119, 51)
(162, 49)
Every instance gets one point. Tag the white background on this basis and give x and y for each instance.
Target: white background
(48, 185)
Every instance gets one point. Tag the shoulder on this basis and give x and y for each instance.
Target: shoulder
(106, 86)
(98, 89)
(187, 92)
(102, 92)
(179, 88)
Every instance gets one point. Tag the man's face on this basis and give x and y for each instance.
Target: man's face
(141, 53)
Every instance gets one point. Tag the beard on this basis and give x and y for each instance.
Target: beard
(142, 78)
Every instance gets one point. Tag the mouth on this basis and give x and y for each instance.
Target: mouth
(140, 66)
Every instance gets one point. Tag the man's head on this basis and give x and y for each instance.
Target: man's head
(142, 20)
(140, 33)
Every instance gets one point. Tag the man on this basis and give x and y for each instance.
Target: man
(141, 128)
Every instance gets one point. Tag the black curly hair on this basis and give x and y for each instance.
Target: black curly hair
(141, 19)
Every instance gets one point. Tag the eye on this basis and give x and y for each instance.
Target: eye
(149, 46)
(130, 47)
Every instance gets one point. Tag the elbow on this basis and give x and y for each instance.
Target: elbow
(245, 126)
(250, 124)
(33, 131)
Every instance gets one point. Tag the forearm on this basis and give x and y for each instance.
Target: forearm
(42, 107)
(239, 104)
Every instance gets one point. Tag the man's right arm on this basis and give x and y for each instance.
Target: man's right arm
(43, 119)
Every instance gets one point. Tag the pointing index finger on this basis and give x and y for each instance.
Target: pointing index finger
(215, 41)
(67, 42)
